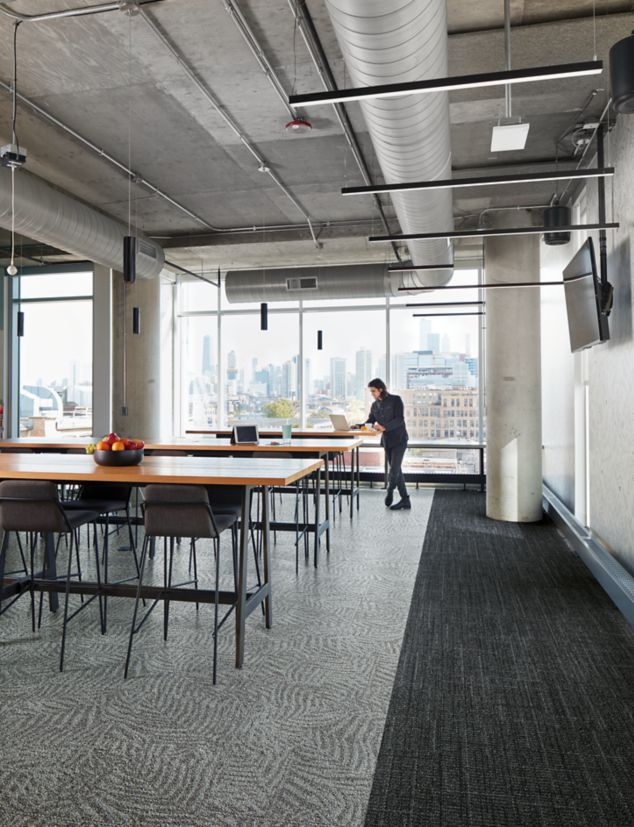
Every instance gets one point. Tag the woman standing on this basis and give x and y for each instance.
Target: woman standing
(387, 417)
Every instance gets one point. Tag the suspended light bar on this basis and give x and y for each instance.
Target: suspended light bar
(606, 225)
(488, 286)
(450, 84)
(442, 304)
(403, 268)
(431, 315)
(264, 316)
(486, 181)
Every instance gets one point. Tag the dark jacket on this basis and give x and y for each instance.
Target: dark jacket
(389, 413)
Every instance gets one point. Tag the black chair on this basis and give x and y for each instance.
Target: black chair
(107, 499)
(33, 506)
(173, 511)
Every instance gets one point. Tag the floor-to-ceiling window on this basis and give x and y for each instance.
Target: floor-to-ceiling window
(55, 353)
(316, 358)
(436, 368)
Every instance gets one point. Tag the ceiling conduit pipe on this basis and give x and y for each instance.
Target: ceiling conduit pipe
(50, 216)
(395, 41)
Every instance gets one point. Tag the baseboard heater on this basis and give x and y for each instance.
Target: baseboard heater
(611, 575)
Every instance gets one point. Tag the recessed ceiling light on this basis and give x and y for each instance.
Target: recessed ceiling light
(509, 136)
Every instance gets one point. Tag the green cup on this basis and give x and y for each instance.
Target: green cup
(287, 430)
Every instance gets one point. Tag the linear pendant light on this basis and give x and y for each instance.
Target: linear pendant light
(417, 87)
(431, 315)
(605, 225)
(403, 268)
(443, 304)
(485, 181)
(488, 286)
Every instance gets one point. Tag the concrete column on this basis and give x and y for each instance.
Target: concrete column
(136, 357)
(102, 351)
(513, 376)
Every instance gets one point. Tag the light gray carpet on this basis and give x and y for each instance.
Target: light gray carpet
(291, 739)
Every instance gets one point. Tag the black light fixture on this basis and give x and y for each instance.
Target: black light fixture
(484, 181)
(432, 315)
(405, 268)
(450, 84)
(608, 225)
(443, 304)
(264, 316)
(622, 75)
(129, 258)
(20, 324)
(136, 320)
(320, 340)
(487, 286)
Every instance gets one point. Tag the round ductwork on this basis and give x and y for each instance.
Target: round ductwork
(53, 217)
(556, 217)
(622, 75)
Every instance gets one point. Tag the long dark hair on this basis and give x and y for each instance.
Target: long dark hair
(380, 385)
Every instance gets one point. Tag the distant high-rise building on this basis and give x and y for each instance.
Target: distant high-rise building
(308, 379)
(433, 342)
(424, 331)
(446, 344)
(467, 344)
(337, 378)
(208, 360)
(363, 373)
(381, 371)
(232, 365)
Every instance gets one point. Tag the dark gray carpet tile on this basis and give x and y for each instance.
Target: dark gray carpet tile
(290, 740)
(513, 702)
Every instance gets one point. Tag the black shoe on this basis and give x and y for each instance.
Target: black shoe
(402, 505)
(389, 498)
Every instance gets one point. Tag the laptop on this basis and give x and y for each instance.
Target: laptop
(340, 423)
(245, 435)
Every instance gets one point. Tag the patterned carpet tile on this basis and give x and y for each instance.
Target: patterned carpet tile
(291, 739)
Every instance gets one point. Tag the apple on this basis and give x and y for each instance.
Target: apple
(112, 438)
(138, 444)
(130, 444)
(119, 445)
(103, 446)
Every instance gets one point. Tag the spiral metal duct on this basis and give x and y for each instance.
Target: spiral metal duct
(395, 41)
(50, 216)
(344, 282)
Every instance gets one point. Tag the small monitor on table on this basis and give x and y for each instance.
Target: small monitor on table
(245, 435)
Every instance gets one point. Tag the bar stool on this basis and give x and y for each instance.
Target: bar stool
(172, 511)
(106, 499)
(33, 506)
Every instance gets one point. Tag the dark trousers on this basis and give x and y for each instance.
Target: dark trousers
(395, 477)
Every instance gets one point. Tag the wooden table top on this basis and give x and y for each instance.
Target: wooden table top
(180, 470)
(308, 433)
(299, 445)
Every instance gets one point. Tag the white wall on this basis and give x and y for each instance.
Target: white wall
(605, 374)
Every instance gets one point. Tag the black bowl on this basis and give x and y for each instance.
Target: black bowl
(118, 458)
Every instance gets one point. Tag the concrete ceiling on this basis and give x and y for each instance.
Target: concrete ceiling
(112, 80)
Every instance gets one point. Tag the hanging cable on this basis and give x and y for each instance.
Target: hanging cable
(12, 270)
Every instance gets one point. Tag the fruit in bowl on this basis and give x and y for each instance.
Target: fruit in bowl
(115, 450)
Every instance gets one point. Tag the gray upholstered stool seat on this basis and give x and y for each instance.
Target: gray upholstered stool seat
(34, 507)
(176, 511)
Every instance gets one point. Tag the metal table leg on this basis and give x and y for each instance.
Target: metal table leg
(241, 597)
(266, 557)
(50, 569)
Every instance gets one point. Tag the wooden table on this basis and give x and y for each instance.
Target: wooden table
(315, 433)
(243, 472)
(320, 447)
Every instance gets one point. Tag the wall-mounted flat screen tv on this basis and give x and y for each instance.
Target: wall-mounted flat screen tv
(588, 300)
